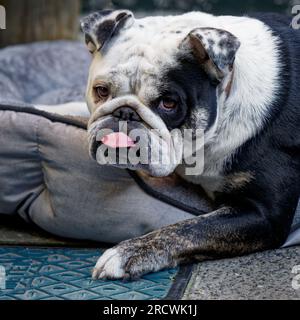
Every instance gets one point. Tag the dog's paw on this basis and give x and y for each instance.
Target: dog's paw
(131, 259)
(109, 266)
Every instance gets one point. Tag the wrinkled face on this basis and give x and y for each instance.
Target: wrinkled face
(150, 80)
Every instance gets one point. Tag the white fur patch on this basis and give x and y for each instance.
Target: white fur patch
(109, 265)
(255, 85)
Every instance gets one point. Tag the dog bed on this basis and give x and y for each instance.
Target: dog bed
(46, 175)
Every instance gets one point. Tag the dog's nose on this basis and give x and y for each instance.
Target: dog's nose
(127, 114)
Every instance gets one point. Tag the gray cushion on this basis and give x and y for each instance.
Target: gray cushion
(47, 177)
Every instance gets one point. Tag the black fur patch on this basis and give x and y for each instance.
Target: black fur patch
(192, 88)
(103, 26)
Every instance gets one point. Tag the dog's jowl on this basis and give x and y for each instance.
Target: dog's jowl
(237, 80)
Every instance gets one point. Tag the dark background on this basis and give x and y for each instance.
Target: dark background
(214, 6)
(40, 20)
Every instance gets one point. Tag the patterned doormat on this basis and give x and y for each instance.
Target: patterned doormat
(65, 274)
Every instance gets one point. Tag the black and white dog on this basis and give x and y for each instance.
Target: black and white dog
(235, 78)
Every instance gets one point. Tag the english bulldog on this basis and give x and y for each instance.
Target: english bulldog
(236, 80)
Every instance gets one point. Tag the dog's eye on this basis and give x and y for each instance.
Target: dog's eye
(168, 104)
(102, 92)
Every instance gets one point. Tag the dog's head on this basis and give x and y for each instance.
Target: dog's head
(160, 73)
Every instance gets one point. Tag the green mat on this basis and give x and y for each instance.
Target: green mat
(65, 274)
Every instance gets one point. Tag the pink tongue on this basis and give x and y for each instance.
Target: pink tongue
(117, 140)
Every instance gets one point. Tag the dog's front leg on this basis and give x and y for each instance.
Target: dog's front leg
(224, 232)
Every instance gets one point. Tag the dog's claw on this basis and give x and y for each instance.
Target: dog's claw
(95, 274)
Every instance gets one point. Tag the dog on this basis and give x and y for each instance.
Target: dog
(237, 79)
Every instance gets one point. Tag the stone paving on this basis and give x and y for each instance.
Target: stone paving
(265, 275)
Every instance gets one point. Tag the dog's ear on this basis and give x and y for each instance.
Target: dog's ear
(215, 50)
(100, 27)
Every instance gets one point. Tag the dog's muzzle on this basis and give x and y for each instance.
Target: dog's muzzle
(123, 129)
